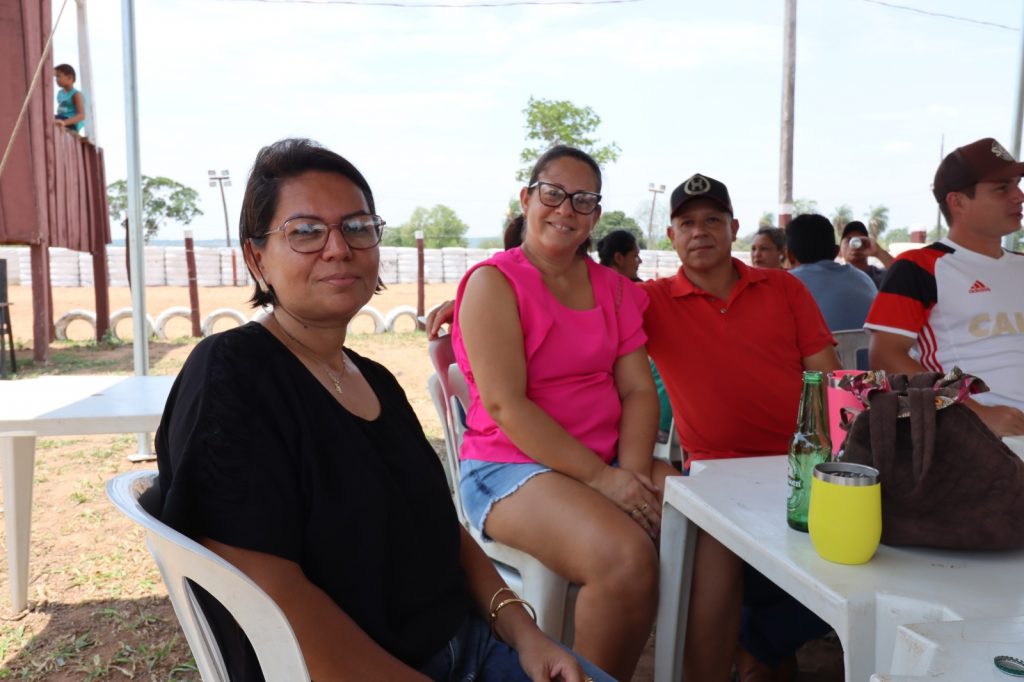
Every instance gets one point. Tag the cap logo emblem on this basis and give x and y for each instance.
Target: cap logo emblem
(1000, 151)
(698, 184)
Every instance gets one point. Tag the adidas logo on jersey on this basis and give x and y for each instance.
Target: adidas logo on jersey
(978, 287)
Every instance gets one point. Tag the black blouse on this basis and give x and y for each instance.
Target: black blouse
(254, 452)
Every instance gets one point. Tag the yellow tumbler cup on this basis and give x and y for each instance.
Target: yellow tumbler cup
(845, 515)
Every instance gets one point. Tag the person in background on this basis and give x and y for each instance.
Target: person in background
(619, 251)
(70, 113)
(768, 248)
(857, 247)
(958, 302)
(843, 293)
(557, 455)
(302, 463)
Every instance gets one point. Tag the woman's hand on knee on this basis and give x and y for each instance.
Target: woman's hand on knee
(544, 660)
(633, 493)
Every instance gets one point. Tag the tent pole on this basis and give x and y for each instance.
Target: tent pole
(140, 331)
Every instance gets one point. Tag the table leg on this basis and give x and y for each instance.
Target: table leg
(678, 542)
(17, 462)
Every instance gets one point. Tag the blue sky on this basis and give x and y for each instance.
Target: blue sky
(428, 102)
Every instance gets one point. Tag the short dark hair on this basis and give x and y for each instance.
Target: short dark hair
(66, 69)
(855, 226)
(274, 164)
(944, 207)
(514, 228)
(616, 241)
(811, 238)
(776, 234)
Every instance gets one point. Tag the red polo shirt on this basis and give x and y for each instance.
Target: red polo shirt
(733, 369)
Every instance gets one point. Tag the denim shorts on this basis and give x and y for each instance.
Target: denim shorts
(484, 483)
(474, 654)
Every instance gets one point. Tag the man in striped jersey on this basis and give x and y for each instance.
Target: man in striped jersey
(960, 301)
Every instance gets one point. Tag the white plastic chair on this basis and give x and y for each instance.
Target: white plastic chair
(183, 561)
(670, 451)
(551, 595)
(849, 342)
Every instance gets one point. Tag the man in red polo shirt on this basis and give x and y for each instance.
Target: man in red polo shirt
(731, 343)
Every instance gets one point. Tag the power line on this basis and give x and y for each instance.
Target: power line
(940, 15)
(449, 5)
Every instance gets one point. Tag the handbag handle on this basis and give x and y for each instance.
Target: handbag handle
(882, 421)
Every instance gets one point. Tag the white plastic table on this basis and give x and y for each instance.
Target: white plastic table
(61, 406)
(742, 502)
(955, 650)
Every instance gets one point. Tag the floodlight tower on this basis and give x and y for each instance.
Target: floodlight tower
(221, 181)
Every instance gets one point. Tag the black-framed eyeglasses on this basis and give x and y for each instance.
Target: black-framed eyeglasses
(551, 195)
(307, 234)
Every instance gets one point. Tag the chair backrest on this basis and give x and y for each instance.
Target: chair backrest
(183, 561)
(852, 346)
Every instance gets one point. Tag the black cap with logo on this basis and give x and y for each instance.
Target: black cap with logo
(699, 186)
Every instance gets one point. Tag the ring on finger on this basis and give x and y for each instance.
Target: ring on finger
(635, 511)
(644, 507)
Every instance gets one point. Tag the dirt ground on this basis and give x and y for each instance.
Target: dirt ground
(98, 609)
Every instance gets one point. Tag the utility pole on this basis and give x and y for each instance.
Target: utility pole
(788, 97)
(655, 190)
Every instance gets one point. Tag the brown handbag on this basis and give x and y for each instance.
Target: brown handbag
(947, 480)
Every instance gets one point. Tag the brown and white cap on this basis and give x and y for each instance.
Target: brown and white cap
(976, 162)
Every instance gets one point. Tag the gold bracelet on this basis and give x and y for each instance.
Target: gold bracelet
(513, 600)
(490, 607)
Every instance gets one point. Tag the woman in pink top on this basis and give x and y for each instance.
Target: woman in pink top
(557, 457)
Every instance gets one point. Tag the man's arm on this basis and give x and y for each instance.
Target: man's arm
(824, 361)
(891, 352)
(880, 253)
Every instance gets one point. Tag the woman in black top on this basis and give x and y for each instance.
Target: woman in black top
(302, 463)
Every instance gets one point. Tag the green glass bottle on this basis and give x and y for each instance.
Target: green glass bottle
(810, 447)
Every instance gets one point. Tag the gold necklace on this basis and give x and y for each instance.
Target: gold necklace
(335, 378)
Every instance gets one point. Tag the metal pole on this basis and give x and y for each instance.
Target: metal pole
(85, 70)
(1018, 115)
(938, 211)
(140, 342)
(788, 98)
(224, 203)
(420, 288)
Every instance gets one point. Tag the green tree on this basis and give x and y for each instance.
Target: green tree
(441, 227)
(767, 219)
(841, 217)
(491, 243)
(897, 234)
(878, 220)
(163, 199)
(804, 206)
(551, 122)
(617, 220)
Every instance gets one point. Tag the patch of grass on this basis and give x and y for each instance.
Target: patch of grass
(12, 640)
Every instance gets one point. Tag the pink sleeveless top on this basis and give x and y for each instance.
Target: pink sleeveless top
(570, 355)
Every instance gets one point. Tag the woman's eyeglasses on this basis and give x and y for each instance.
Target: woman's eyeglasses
(309, 235)
(583, 203)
